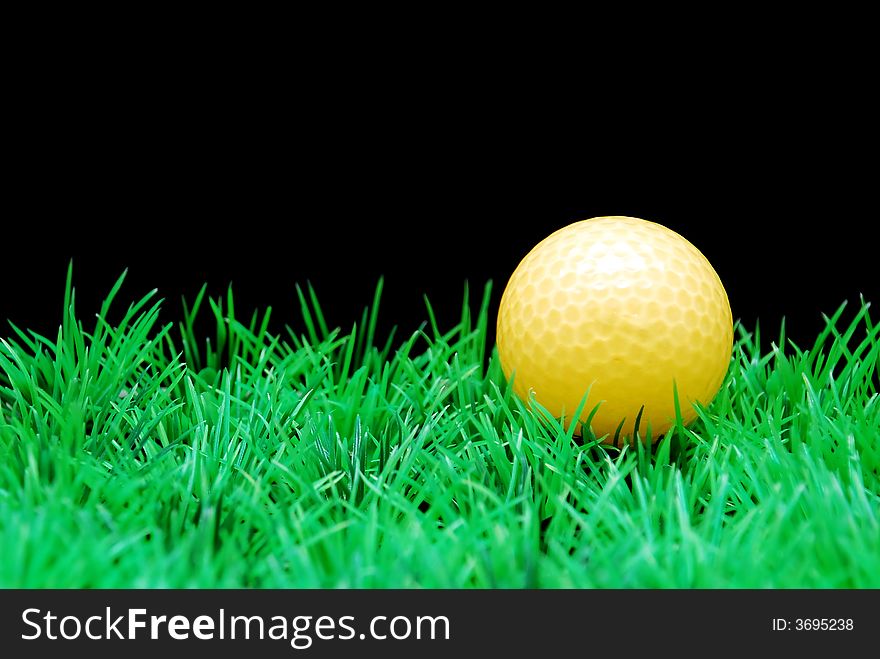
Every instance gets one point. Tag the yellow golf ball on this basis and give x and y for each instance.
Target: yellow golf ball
(625, 309)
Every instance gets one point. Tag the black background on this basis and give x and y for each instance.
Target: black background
(431, 184)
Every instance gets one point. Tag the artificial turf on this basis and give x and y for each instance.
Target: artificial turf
(138, 454)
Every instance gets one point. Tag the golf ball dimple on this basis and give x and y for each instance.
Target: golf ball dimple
(624, 308)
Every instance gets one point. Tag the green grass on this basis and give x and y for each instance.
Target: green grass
(137, 454)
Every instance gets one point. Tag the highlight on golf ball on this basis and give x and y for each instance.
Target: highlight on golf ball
(623, 311)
